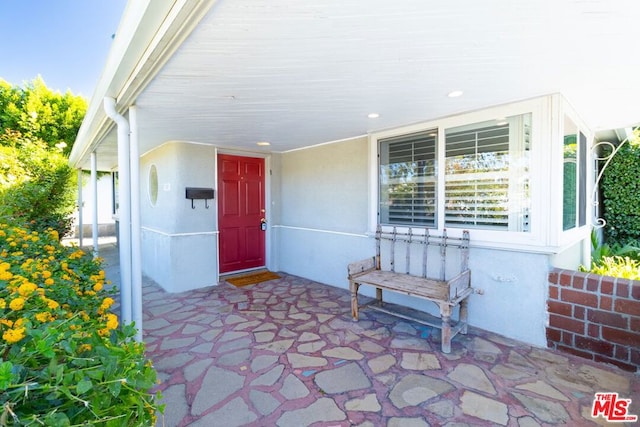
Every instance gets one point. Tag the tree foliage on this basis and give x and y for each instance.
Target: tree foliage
(37, 112)
(621, 194)
(36, 184)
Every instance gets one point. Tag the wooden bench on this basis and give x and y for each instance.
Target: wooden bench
(447, 291)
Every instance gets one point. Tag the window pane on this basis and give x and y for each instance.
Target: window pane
(570, 174)
(408, 179)
(582, 180)
(487, 175)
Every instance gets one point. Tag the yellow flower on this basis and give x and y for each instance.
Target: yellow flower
(6, 322)
(97, 287)
(27, 289)
(54, 234)
(84, 347)
(5, 275)
(16, 304)
(104, 332)
(3, 303)
(12, 336)
(49, 281)
(46, 274)
(44, 316)
(112, 321)
(107, 303)
(52, 304)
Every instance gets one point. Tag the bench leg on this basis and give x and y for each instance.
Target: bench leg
(379, 296)
(445, 313)
(354, 299)
(464, 314)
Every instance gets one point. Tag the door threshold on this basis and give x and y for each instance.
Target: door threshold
(231, 274)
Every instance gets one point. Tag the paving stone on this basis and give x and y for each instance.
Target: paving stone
(264, 336)
(191, 329)
(308, 336)
(204, 348)
(370, 347)
(263, 361)
(170, 344)
(163, 308)
(233, 335)
(234, 413)
(419, 361)
(484, 408)
(410, 344)
(175, 397)
(378, 334)
(543, 389)
(407, 422)
(266, 327)
(235, 358)
(246, 325)
(342, 353)
(175, 361)
(347, 377)
(306, 326)
(159, 323)
(167, 330)
(517, 359)
(444, 408)
(211, 334)
(300, 316)
(323, 318)
(322, 410)
(414, 389)
(547, 411)
(548, 356)
(287, 333)
(276, 346)
(302, 361)
(404, 328)
(473, 377)
(381, 363)
(527, 422)
(270, 377)
(368, 403)
(311, 347)
(293, 388)
(217, 385)
(195, 369)
(509, 373)
(234, 345)
(265, 403)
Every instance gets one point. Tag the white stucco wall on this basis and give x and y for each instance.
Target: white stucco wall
(325, 206)
(179, 244)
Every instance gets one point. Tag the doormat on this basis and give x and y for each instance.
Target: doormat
(252, 278)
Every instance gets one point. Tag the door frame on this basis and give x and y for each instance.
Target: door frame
(267, 200)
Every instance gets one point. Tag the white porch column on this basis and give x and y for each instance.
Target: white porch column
(80, 234)
(94, 190)
(124, 202)
(136, 257)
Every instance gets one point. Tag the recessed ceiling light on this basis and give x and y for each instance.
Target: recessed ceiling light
(373, 115)
(455, 94)
(263, 143)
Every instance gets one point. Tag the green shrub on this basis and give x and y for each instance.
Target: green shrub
(621, 195)
(65, 361)
(37, 186)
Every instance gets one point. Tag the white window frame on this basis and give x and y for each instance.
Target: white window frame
(537, 238)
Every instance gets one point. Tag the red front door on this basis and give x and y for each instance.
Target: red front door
(241, 210)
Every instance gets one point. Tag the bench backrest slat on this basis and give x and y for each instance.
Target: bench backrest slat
(413, 238)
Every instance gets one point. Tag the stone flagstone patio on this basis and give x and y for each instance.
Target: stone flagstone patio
(286, 353)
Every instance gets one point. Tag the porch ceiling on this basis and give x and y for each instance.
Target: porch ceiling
(302, 73)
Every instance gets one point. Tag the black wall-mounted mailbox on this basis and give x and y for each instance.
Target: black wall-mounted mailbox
(199, 193)
(195, 193)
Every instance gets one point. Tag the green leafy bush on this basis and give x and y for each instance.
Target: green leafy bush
(621, 194)
(37, 186)
(65, 361)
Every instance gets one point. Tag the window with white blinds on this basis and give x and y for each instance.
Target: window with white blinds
(487, 175)
(408, 184)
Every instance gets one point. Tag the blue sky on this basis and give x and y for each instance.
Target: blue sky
(64, 41)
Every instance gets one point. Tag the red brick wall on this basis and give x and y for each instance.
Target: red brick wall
(596, 317)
